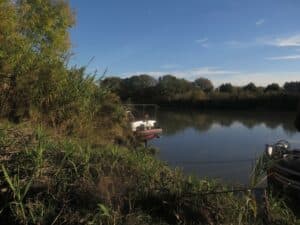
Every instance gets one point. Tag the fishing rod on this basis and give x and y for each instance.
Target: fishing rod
(238, 190)
(248, 189)
(214, 161)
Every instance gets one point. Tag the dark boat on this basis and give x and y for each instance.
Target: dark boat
(284, 168)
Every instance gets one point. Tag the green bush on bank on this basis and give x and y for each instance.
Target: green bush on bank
(64, 181)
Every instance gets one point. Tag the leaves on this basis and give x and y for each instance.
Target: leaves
(34, 42)
(103, 210)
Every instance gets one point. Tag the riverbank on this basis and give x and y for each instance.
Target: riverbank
(170, 91)
(50, 179)
(236, 101)
(67, 156)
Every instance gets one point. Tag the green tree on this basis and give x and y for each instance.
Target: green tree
(292, 87)
(114, 84)
(272, 88)
(227, 88)
(169, 85)
(297, 120)
(204, 84)
(34, 48)
(136, 87)
(250, 87)
(140, 82)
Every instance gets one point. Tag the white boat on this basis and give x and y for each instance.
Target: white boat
(144, 129)
(142, 125)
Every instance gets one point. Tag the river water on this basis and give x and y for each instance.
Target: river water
(221, 144)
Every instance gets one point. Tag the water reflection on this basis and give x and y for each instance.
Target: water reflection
(222, 145)
(177, 121)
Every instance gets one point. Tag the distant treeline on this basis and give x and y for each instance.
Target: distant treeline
(171, 91)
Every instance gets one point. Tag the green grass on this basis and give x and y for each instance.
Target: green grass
(45, 180)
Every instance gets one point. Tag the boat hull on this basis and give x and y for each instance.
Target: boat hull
(285, 176)
(148, 134)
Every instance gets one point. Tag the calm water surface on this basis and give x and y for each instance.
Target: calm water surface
(222, 145)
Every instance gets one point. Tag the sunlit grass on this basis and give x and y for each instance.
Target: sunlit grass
(48, 180)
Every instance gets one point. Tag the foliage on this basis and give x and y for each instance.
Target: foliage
(292, 87)
(36, 83)
(204, 84)
(272, 88)
(137, 86)
(67, 181)
(297, 120)
(34, 37)
(173, 91)
(250, 87)
(114, 84)
(169, 86)
(227, 88)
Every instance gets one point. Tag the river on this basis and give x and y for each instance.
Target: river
(221, 144)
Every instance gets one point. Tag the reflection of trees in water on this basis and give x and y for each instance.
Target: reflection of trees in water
(176, 121)
(173, 122)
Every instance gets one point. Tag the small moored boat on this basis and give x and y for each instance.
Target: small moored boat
(145, 128)
(284, 168)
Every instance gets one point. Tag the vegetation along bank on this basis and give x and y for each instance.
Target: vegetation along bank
(66, 154)
(170, 91)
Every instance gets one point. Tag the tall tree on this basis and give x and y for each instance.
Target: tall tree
(170, 86)
(272, 88)
(250, 87)
(228, 88)
(137, 86)
(114, 84)
(204, 84)
(292, 87)
(297, 121)
(34, 47)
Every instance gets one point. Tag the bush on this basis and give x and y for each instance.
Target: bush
(227, 88)
(204, 84)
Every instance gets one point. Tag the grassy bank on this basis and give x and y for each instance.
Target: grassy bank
(47, 179)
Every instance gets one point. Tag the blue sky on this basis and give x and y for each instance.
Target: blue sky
(235, 41)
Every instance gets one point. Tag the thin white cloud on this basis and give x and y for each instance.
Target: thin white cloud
(260, 22)
(219, 76)
(265, 78)
(286, 57)
(292, 41)
(203, 42)
(241, 44)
